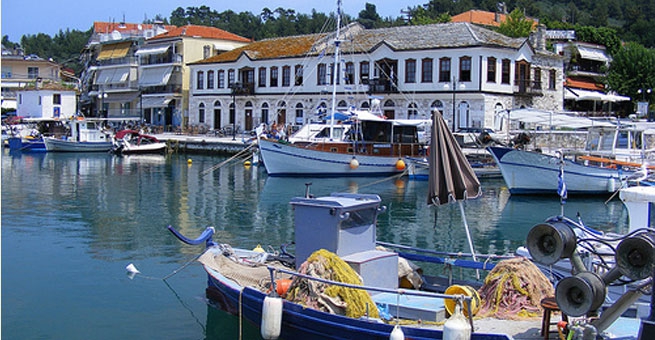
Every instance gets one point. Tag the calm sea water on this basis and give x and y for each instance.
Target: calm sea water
(72, 222)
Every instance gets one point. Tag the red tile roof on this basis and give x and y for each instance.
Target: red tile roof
(108, 27)
(484, 18)
(480, 17)
(201, 32)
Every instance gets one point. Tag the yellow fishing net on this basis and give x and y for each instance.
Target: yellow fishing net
(513, 290)
(334, 299)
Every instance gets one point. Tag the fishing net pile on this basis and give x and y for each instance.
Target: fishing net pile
(334, 299)
(513, 290)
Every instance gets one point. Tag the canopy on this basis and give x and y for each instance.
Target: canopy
(156, 101)
(147, 50)
(113, 76)
(552, 119)
(112, 51)
(156, 76)
(579, 94)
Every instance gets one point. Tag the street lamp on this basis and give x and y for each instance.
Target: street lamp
(447, 86)
(233, 111)
(101, 97)
(642, 107)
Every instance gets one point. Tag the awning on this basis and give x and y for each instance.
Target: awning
(157, 101)
(155, 76)
(113, 76)
(114, 51)
(152, 50)
(579, 94)
(591, 53)
(553, 119)
(120, 97)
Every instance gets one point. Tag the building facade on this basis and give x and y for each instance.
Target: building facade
(466, 72)
(20, 71)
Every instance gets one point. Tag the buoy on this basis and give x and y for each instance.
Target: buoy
(354, 163)
(259, 249)
(457, 327)
(282, 286)
(271, 317)
(131, 268)
(462, 290)
(400, 165)
(397, 333)
(246, 164)
(189, 161)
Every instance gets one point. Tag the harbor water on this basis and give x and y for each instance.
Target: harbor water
(71, 223)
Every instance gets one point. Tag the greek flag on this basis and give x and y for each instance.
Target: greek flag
(561, 185)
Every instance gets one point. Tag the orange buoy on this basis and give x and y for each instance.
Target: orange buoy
(400, 165)
(354, 163)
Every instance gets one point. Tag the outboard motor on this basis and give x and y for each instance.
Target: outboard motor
(521, 140)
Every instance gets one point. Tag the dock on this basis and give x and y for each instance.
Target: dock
(205, 144)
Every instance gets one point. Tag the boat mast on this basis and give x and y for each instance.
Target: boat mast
(337, 42)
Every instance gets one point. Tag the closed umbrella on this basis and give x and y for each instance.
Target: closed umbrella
(451, 178)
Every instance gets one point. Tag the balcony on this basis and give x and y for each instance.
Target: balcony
(158, 59)
(243, 89)
(528, 88)
(165, 89)
(382, 86)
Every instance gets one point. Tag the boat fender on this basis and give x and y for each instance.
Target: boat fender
(259, 249)
(397, 334)
(354, 163)
(457, 327)
(271, 317)
(400, 165)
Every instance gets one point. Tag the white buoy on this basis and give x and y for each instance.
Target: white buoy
(271, 317)
(457, 327)
(131, 268)
(397, 333)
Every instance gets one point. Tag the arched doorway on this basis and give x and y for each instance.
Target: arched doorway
(217, 115)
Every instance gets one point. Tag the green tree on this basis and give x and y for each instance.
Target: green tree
(599, 35)
(516, 25)
(632, 68)
(369, 17)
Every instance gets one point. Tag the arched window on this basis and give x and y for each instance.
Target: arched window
(342, 105)
(200, 80)
(412, 111)
(365, 105)
(265, 113)
(217, 103)
(201, 113)
(300, 113)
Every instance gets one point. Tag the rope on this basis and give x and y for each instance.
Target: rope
(219, 165)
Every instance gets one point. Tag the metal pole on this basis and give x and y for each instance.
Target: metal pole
(234, 113)
(454, 114)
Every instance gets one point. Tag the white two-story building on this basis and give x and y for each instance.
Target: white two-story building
(467, 72)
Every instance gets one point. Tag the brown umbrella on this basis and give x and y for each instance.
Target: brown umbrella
(451, 178)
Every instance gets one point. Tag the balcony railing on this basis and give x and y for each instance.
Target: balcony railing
(382, 86)
(162, 59)
(528, 88)
(171, 88)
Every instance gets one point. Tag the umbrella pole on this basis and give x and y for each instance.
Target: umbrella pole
(468, 236)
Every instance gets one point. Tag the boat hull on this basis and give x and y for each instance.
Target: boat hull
(26, 145)
(60, 145)
(299, 322)
(527, 172)
(290, 160)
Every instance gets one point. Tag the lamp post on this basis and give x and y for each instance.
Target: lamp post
(101, 97)
(233, 111)
(447, 86)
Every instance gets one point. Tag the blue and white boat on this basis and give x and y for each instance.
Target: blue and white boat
(86, 135)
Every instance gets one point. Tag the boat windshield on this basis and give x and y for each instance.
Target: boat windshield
(359, 218)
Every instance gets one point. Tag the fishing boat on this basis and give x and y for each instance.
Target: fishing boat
(86, 135)
(26, 134)
(134, 142)
(353, 143)
(532, 172)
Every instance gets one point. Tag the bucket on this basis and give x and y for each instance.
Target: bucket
(466, 291)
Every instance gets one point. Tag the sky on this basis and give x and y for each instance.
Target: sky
(22, 17)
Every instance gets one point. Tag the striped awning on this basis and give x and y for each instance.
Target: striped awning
(156, 76)
(113, 76)
(114, 51)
